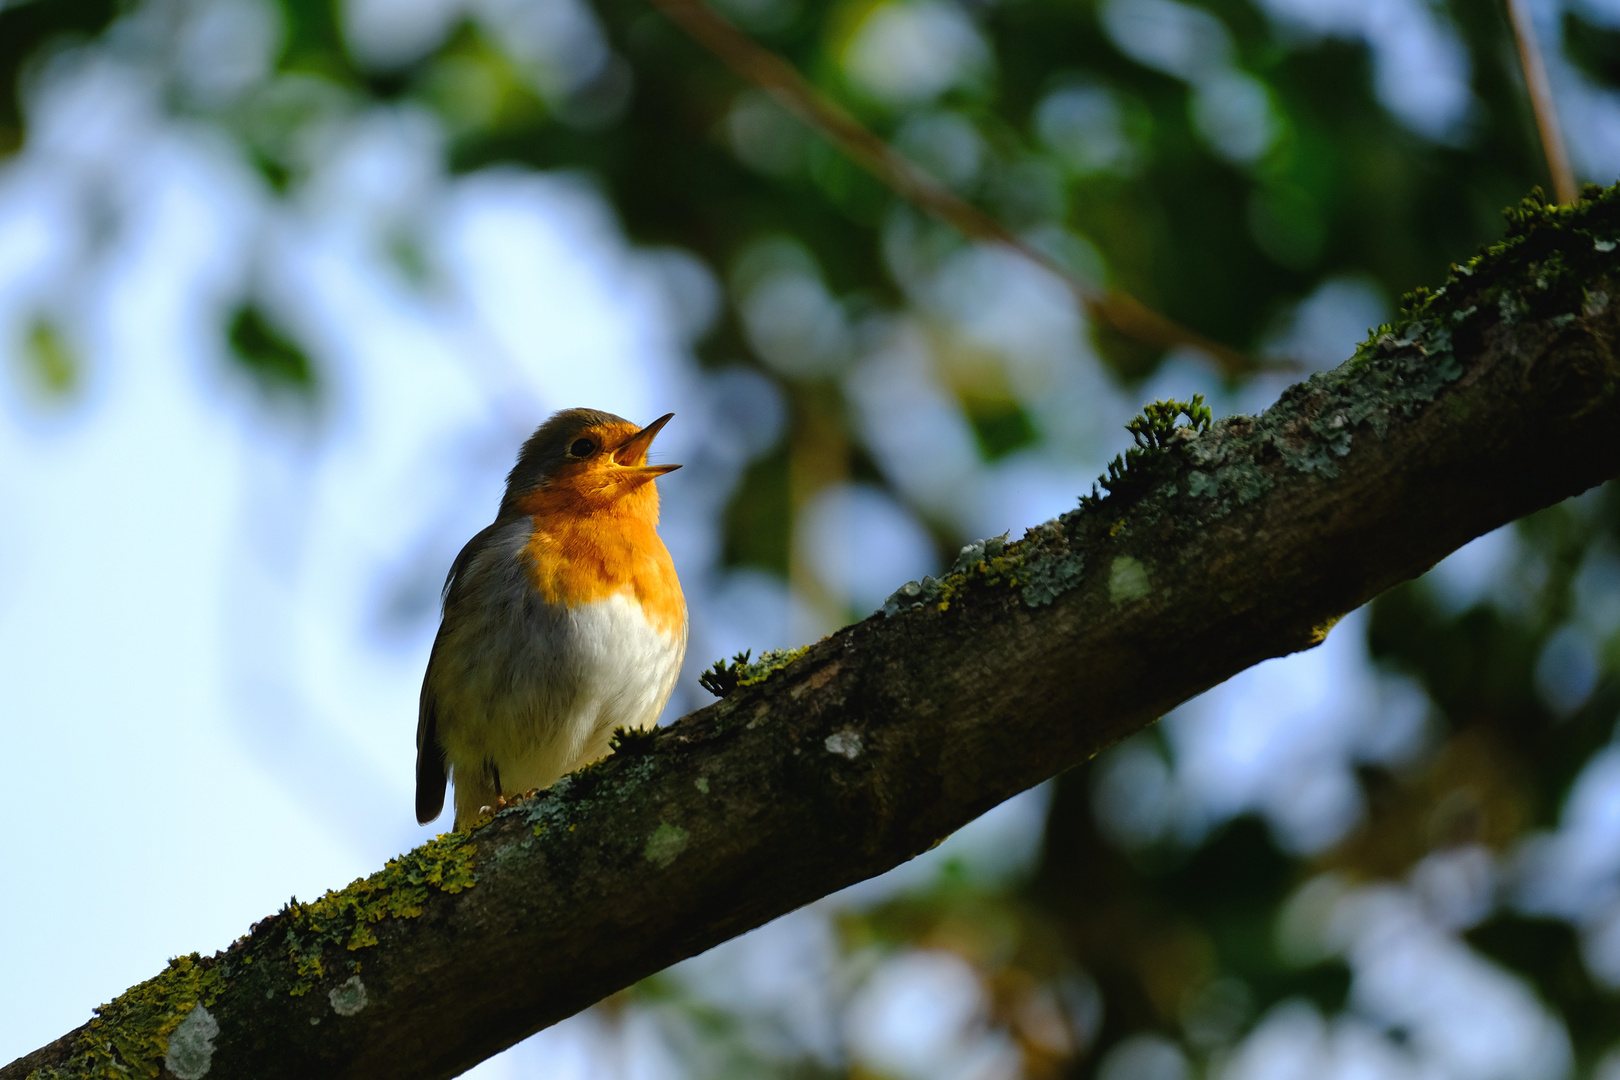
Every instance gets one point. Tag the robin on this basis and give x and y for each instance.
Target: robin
(563, 620)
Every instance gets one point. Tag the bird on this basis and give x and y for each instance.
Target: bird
(562, 621)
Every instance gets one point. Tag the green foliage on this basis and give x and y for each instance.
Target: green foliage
(1595, 49)
(52, 364)
(758, 519)
(1156, 434)
(23, 27)
(1000, 426)
(274, 359)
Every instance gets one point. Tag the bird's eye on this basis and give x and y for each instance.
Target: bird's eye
(582, 448)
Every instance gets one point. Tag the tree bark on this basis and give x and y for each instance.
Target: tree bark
(1491, 398)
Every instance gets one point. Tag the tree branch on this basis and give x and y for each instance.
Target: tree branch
(777, 77)
(1492, 397)
(1541, 101)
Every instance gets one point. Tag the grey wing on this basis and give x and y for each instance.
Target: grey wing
(431, 771)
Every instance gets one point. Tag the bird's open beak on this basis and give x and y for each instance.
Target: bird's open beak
(632, 453)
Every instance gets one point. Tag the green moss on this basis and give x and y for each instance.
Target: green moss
(1041, 566)
(721, 679)
(982, 559)
(346, 920)
(1156, 434)
(768, 664)
(631, 742)
(724, 677)
(1544, 269)
(129, 1037)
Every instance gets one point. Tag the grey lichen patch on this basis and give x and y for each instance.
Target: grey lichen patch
(1239, 481)
(974, 557)
(702, 784)
(1315, 423)
(1127, 580)
(1041, 566)
(912, 594)
(844, 744)
(665, 844)
(580, 795)
(191, 1046)
(132, 1035)
(1048, 578)
(1203, 484)
(907, 595)
(349, 997)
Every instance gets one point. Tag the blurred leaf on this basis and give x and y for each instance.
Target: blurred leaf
(406, 253)
(1594, 49)
(314, 39)
(50, 362)
(1548, 953)
(757, 520)
(270, 356)
(1001, 426)
(24, 27)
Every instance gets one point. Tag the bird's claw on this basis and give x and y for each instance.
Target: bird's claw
(502, 802)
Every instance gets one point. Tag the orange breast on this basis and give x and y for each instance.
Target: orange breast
(579, 555)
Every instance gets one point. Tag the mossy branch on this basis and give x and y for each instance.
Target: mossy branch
(1493, 395)
(1156, 435)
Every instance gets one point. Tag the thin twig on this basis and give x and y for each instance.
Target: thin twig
(1535, 81)
(777, 77)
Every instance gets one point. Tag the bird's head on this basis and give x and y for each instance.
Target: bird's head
(584, 460)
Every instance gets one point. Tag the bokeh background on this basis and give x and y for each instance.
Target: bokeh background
(284, 284)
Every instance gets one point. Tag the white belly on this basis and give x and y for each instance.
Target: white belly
(535, 689)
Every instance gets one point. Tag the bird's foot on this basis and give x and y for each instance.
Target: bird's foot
(502, 802)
